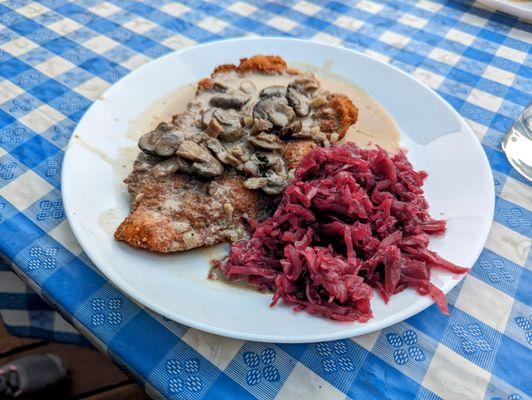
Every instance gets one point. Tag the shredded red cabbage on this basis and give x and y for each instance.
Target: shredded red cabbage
(351, 220)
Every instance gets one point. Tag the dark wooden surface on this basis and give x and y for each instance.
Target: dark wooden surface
(92, 375)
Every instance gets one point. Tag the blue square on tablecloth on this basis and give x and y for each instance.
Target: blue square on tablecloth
(513, 216)
(519, 325)
(376, 380)
(71, 104)
(471, 338)
(224, 387)
(72, 282)
(34, 151)
(523, 292)
(60, 45)
(497, 160)
(337, 362)
(511, 362)
(105, 69)
(184, 373)
(47, 212)
(431, 321)
(29, 78)
(261, 368)
(497, 271)
(11, 66)
(6, 212)
(50, 169)
(60, 133)
(10, 169)
(49, 90)
(25, 27)
(5, 118)
(21, 105)
(143, 355)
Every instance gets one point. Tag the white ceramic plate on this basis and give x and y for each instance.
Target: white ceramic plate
(518, 8)
(459, 187)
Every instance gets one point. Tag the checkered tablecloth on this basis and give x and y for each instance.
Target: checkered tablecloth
(56, 57)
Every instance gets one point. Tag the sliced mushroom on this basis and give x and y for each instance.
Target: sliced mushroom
(248, 87)
(207, 117)
(318, 102)
(214, 129)
(273, 91)
(293, 130)
(255, 183)
(208, 169)
(242, 152)
(274, 109)
(265, 160)
(306, 84)
(231, 124)
(250, 168)
(194, 152)
(298, 101)
(266, 141)
(260, 125)
(276, 183)
(227, 101)
(219, 87)
(221, 152)
(162, 141)
(167, 167)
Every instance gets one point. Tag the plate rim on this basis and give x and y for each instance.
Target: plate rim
(136, 294)
(510, 8)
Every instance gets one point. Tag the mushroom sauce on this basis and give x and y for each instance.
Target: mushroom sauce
(241, 124)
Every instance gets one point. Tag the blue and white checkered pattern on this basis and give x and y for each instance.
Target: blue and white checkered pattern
(56, 57)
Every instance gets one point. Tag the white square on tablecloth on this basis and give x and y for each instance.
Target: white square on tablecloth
(140, 25)
(429, 5)
(16, 317)
(100, 44)
(473, 19)
(55, 66)
(348, 23)
(8, 91)
(429, 78)
(93, 88)
(18, 46)
(32, 10)
(2, 152)
(212, 24)
(511, 54)
(104, 9)
(508, 243)
(484, 99)
(303, 384)
(25, 190)
(517, 192)
(376, 55)
(394, 39)
(11, 283)
(451, 376)
(136, 61)
(64, 26)
(175, 9)
(63, 234)
(326, 38)
(369, 6)
(217, 349)
(499, 75)
(478, 129)
(242, 8)
(444, 56)
(61, 325)
(519, 34)
(177, 42)
(306, 8)
(461, 37)
(282, 23)
(368, 340)
(485, 303)
(42, 118)
(413, 21)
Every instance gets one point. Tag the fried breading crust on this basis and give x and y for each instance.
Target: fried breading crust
(338, 115)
